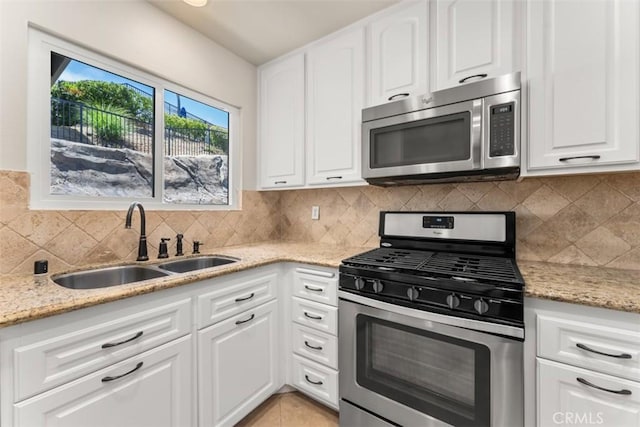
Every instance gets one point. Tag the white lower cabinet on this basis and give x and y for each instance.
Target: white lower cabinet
(237, 365)
(581, 365)
(571, 395)
(150, 389)
(316, 380)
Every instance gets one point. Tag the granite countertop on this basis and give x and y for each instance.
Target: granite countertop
(24, 297)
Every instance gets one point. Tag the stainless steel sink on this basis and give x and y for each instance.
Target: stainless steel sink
(197, 263)
(110, 276)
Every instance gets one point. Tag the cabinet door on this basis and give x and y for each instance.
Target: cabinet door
(335, 80)
(584, 93)
(237, 365)
(152, 389)
(398, 57)
(474, 39)
(281, 133)
(564, 400)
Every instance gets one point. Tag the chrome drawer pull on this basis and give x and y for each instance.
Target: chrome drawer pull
(312, 346)
(617, 356)
(306, 377)
(115, 344)
(566, 159)
(587, 383)
(313, 289)
(107, 379)
(245, 298)
(240, 322)
(312, 317)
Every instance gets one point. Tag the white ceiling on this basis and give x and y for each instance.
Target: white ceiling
(260, 30)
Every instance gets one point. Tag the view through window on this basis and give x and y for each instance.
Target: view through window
(103, 128)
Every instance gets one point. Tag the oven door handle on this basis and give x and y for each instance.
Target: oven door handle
(475, 325)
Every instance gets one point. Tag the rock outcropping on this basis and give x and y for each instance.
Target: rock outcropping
(88, 170)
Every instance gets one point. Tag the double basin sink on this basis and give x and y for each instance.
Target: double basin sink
(125, 274)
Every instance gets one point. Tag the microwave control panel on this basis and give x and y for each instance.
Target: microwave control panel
(502, 130)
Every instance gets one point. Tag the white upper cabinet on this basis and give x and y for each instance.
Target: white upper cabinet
(335, 95)
(397, 46)
(474, 39)
(584, 93)
(281, 135)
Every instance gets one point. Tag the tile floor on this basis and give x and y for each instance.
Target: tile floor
(290, 410)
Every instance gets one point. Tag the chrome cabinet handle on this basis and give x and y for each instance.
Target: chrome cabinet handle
(333, 177)
(115, 344)
(306, 377)
(240, 322)
(312, 317)
(312, 346)
(313, 289)
(397, 95)
(280, 182)
(566, 159)
(479, 76)
(624, 392)
(107, 379)
(245, 298)
(617, 356)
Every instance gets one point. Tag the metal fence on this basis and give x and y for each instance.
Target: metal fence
(78, 122)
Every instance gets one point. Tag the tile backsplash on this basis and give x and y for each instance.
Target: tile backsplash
(589, 220)
(70, 239)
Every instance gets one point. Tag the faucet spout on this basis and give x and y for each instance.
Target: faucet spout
(142, 244)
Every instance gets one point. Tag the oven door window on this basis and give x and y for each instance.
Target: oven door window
(444, 377)
(434, 140)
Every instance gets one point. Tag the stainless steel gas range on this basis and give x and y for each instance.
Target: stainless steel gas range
(431, 324)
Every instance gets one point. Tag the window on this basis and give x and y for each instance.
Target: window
(102, 134)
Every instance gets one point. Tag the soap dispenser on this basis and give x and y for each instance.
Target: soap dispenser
(163, 252)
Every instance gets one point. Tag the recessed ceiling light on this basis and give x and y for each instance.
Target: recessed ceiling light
(196, 3)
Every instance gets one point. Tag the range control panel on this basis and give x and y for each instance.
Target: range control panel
(502, 130)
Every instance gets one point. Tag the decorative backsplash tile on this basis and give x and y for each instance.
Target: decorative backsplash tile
(70, 239)
(588, 220)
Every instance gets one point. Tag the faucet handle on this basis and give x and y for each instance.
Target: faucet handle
(163, 252)
(196, 246)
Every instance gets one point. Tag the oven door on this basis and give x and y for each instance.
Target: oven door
(412, 371)
(436, 140)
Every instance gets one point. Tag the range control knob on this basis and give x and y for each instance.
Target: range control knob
(377, 286)
(481, 306)
(413, 293)
(359, 282)
(453, 301)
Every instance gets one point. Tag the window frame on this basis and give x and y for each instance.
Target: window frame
(41, 44)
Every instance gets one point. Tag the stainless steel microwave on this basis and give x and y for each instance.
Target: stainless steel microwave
(466, 133)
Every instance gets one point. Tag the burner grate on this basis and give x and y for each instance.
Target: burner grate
(391, 258)
(473, 266)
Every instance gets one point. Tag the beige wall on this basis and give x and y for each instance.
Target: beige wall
(132, 31)
(589, 220)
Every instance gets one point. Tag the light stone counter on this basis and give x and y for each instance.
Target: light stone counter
(24, 298)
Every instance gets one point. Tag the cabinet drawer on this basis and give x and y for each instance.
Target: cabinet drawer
(566, 391)
(48, 363)
(315, 345)
(315, 315)
(150, 389)
(234, 297)
(604, 349)
(316, 380)
(316, 285)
